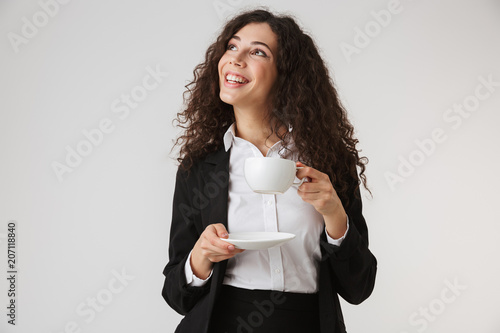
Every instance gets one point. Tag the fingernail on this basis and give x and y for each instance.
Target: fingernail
(230, 247)
(224, 234)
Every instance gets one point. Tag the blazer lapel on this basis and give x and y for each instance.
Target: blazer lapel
(216, 186)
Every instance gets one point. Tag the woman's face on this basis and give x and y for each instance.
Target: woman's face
(247, 71)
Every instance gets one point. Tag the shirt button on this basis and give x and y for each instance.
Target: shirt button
(277, 270)
(269, 203)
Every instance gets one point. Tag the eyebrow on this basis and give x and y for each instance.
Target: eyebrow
(254, 43)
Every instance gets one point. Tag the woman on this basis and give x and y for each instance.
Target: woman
(263, 90)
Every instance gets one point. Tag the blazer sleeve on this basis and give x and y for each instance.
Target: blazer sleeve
(185, 229)
(353, 266)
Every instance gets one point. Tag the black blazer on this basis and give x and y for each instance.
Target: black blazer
(200, 199)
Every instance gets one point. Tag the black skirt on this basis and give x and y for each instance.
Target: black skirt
(239, 310)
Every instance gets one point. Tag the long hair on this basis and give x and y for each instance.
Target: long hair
(304, 98)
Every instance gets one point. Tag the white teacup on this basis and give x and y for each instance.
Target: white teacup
(270, 175)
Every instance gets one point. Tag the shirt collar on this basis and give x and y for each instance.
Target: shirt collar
(229, 136)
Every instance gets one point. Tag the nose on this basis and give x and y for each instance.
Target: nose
(237, 60)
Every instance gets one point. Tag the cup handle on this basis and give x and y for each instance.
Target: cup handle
(302, 180)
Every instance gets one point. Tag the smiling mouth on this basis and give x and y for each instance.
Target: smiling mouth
(235, 79)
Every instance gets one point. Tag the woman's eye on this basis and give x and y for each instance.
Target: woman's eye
(260, 53)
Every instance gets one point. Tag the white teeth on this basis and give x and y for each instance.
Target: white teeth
(234, 78)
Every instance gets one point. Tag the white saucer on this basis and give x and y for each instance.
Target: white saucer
(258, 240)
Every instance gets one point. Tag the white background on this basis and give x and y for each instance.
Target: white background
(437, 226)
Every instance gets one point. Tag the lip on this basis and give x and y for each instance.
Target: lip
(234, 85)
(237, 74)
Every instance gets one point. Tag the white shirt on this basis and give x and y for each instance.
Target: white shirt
(292, 267)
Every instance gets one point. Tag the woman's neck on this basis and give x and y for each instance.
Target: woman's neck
(257, 130)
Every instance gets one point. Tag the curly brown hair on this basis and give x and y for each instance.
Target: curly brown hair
(305, 98)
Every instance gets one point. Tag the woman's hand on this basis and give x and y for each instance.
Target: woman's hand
(209, 249)
(319, 192)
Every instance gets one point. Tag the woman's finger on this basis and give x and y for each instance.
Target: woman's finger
(220, 230)
(312, 174)
(213, 247)
(213, 235)
(216, 254)
(214, 244)
(310, 187)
